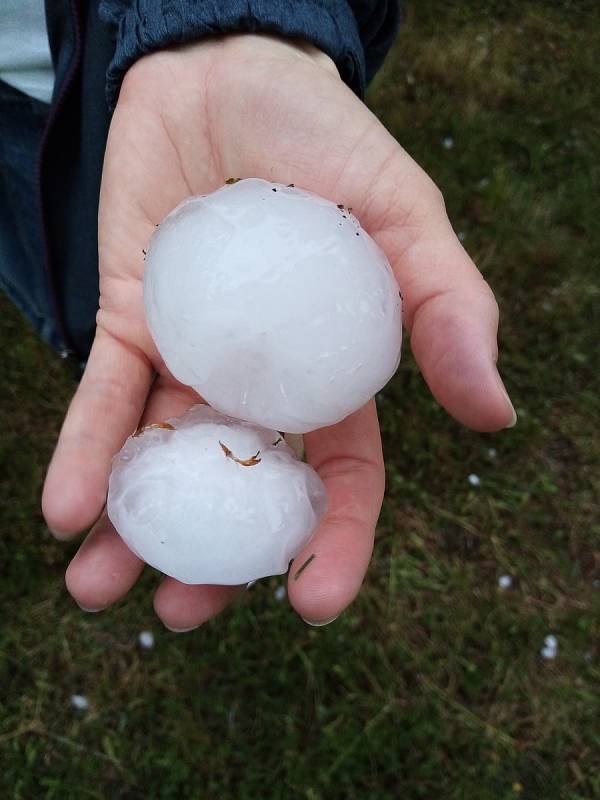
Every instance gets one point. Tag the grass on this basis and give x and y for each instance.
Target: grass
(431, 684)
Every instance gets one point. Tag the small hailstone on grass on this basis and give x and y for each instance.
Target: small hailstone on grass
(448, 143)
(146, 640)
(280, 593)
(504, 581)
(209, 499)
(492, 452)
(550, 648)
(80, 702)
(474, 480)
(274, 304)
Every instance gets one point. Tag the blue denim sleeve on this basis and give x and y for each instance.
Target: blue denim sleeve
(356, 34)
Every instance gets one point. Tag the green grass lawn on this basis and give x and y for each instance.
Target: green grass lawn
(431, 685)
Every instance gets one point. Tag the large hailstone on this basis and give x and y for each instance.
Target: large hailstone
(208, 499)
(274, 304)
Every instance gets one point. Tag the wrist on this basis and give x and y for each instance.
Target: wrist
(249, 47)
(174, 68)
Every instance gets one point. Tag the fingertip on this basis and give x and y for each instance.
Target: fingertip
(469, 387)
(104, 410)
(454, 341)
(320, 623)
(320, 595)
(182, 607)
(70, 507)
(511, 414)
(103, 570)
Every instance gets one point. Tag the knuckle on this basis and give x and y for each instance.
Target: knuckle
(433, 197)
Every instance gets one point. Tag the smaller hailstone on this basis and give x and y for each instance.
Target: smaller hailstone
(279, 593)
(80, 702)
(550, 649)
(146, 640)
(492, 452)
(461, 236)
(504, 581)
(209, 499)
(448, 143)
(474, 480)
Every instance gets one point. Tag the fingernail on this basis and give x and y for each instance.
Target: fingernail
(321, 622)
(511, 409)
(61, 537)
(180, 630)
(90, 610)
(513, 414)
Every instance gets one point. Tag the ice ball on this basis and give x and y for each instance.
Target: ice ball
(208, 499)
(274, 304)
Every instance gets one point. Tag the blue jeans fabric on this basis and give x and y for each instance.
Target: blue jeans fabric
(22, 269)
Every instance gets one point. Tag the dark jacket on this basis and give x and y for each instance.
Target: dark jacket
(93, 47)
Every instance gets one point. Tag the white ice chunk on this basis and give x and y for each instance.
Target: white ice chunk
(182, 501)
(504, 582)
(474, 480)
(146, 640)
(80, 702)
(274, 304)
(550, 649)
(280, 593)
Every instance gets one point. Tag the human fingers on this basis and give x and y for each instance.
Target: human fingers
(105, 409)
(452, 317)
(448, 308)
(182, 607)
(104, 569)
(327, 575)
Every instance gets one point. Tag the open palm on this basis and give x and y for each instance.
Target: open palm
(188, 119)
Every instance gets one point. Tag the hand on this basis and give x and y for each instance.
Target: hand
(241, 106)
